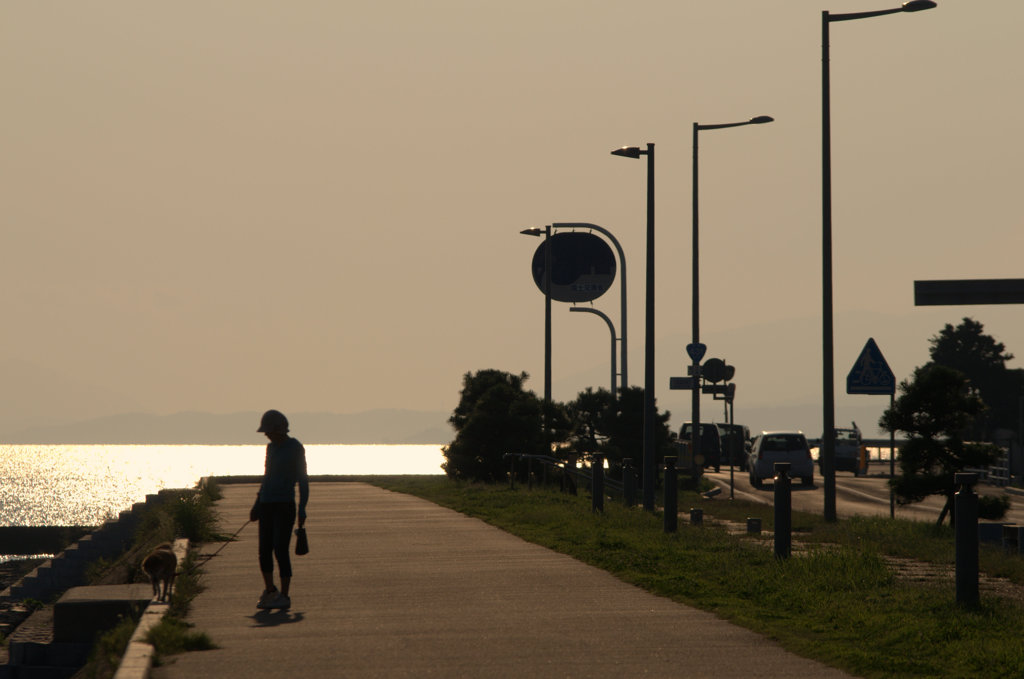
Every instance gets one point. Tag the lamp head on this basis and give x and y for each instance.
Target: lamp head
(918, 5)
(627, 152)
(532, 231)
(759, 120)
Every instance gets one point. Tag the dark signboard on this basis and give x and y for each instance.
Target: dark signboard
(582, 266)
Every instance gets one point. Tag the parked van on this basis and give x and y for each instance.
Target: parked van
(735, 443)
(849, 453)
(710, 444)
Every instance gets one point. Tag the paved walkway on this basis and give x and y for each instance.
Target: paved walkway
(395, 586)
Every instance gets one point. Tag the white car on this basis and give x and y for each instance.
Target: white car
(770, 447)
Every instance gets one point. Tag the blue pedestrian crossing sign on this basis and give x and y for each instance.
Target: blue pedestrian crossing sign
(871, 374)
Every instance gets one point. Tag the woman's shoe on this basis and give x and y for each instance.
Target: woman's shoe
(280, 601)
(267, 596)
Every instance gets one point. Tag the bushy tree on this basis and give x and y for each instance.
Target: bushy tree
(934, 410)
(983, 360)
(495, 416)
(614, 426)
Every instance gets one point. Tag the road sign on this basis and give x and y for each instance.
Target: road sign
(582, 266)
(715, 370)
(871, 374)
(957, 292)
(726, 390)
(680, 383)
(696, 351)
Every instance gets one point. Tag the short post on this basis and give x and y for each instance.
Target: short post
(965, 506)
(529, 473)
(597, 482)
(569, 476)
(512, 472)
(783, 511)
(753, 525)
(696, 516)
(628, 482)
(671, 502)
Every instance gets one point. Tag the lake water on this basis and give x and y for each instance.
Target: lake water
(86, 484)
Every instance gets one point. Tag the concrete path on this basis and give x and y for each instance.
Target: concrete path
(395, 586)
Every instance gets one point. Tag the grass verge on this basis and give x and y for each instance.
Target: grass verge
(837, 602)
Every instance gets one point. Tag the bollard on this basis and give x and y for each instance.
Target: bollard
(783, 510)
(754, 525)
(628, 482)
(512, 472)
(696, 516)
(671, 502)
(965, 508)
(597, 482)
(529, 473)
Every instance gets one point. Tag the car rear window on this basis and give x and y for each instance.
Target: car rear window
(781, 442)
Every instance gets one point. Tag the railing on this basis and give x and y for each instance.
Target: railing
(578, 475)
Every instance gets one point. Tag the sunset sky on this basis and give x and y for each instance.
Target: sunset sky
(316, 205)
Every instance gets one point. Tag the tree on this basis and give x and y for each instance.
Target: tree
(983, 360)
(495, 416)
(614, 426)
(934, 409)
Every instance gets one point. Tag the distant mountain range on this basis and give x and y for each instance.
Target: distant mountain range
(373, 426)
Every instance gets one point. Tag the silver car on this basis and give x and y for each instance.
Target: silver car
(770, 447)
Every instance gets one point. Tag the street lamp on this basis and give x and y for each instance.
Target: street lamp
(696, 353)
(649, 411)
(828, 442)
(547, 310)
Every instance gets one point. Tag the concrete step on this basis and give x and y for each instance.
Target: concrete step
(81, 612)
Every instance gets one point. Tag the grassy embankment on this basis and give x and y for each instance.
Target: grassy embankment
(191, 515)
(837, 600)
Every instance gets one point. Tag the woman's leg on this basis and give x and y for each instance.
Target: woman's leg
(265, 549)
(284, 520)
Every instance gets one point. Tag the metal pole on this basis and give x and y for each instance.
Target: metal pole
(611, 328)
(828, 443)
(732, 466)
(650, 471)
(695, 397)
(547, 321)
(783, 510)
(597, 483)
(628, 482)
(892, 461)
(965, 510)
(671, 504)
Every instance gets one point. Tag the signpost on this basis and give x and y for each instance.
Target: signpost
(713, 371)
(871, 375)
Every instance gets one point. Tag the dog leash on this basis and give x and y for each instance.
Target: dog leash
(207, 557)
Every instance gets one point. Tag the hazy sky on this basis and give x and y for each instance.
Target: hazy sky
(316, 205)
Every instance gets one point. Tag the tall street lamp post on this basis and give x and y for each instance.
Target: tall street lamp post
(828, 441)
(695, 353)
(649, 412)
(547, 310)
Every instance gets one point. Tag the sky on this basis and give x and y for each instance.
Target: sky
(315, 206)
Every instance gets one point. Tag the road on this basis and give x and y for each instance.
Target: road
(866, 495)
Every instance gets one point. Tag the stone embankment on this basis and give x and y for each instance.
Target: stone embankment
(31, 649)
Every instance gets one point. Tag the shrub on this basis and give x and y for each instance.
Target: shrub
(993, 507)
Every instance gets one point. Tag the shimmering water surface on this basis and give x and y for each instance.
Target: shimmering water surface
(87, 484)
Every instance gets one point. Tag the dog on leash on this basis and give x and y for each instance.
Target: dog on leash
(160, 566)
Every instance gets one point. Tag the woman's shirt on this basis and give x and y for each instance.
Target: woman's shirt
(285, 466)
